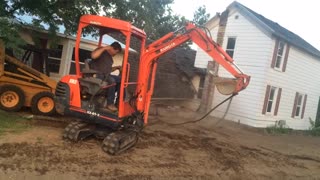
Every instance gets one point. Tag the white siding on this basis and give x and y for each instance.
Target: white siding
(253, 53)
(300, 76)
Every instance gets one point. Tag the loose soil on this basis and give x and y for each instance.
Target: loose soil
(210, 149)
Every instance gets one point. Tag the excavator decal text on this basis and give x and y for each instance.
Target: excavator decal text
(167, 47)
(73, 81)
(93, 113)
(95, 22)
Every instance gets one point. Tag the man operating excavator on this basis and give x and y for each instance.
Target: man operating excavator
(102, 60)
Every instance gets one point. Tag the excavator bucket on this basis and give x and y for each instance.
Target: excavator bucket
(225, 86)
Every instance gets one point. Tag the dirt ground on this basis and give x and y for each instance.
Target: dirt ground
(207, 150)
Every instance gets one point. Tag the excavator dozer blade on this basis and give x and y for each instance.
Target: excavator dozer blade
(226, 86)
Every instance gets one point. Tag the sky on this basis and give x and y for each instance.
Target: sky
(300, 17)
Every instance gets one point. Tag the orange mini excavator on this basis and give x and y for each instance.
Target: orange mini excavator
(81, 95)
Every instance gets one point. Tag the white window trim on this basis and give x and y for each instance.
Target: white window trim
(233, 50)
(57, 59)
(299, 105)
(273, 105)
(282, 56)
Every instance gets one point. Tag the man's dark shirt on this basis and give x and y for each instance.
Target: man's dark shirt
(102, 64)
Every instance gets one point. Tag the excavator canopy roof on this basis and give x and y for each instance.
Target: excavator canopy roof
(112, 23)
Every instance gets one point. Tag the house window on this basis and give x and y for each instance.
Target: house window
(299, 105)
(272, 100)
(54, 59)
(230, 46)
(280, 55)
(83, 55)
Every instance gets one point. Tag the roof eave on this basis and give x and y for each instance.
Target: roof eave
(267, 28)
(237, 5)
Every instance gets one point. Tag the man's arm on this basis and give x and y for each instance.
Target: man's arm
(97, 52)
(116, 67)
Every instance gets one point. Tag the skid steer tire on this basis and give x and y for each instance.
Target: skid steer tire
(11, 98)
(43, 104)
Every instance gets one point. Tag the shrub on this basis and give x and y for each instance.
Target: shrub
(280, 127)
(314, 130)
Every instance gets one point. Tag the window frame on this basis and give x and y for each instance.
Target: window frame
(280, 56)
(271, 109)
(56, 58)
(231, 49)
(73, 61)
(299, 105)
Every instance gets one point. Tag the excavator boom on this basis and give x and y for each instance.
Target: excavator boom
(199, 36)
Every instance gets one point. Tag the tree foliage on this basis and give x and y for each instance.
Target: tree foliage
(9, 33)
(154, 16)
(200, 16)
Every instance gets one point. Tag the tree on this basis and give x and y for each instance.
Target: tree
(145, 14)
(154, 16)
(200, 16)
(56, 12)
(9, 33)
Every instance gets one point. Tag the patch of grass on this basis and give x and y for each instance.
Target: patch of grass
(278, 130)
(10, 122)
(314, 130)
(280, 127)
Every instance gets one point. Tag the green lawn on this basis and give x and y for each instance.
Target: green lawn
(10, 122)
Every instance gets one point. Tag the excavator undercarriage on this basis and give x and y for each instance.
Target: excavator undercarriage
(114, 141)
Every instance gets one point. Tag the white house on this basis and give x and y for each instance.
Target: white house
(283, 69)
(62, 61)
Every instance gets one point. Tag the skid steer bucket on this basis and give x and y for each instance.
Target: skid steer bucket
(225, 86)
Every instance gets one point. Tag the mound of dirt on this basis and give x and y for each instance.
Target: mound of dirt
(205, 150)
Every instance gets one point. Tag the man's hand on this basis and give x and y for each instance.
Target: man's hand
(116, 67)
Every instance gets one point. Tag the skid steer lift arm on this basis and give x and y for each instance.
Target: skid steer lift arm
(199, 36)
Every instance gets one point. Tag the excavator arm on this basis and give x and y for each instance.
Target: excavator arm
(205, 42)
(202, 38)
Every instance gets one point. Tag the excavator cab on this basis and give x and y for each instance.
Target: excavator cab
(78, 95)
(82, 95)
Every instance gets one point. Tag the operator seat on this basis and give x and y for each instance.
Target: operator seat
(89, 83)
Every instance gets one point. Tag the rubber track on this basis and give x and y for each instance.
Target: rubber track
(111, 144)
(71, 132)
